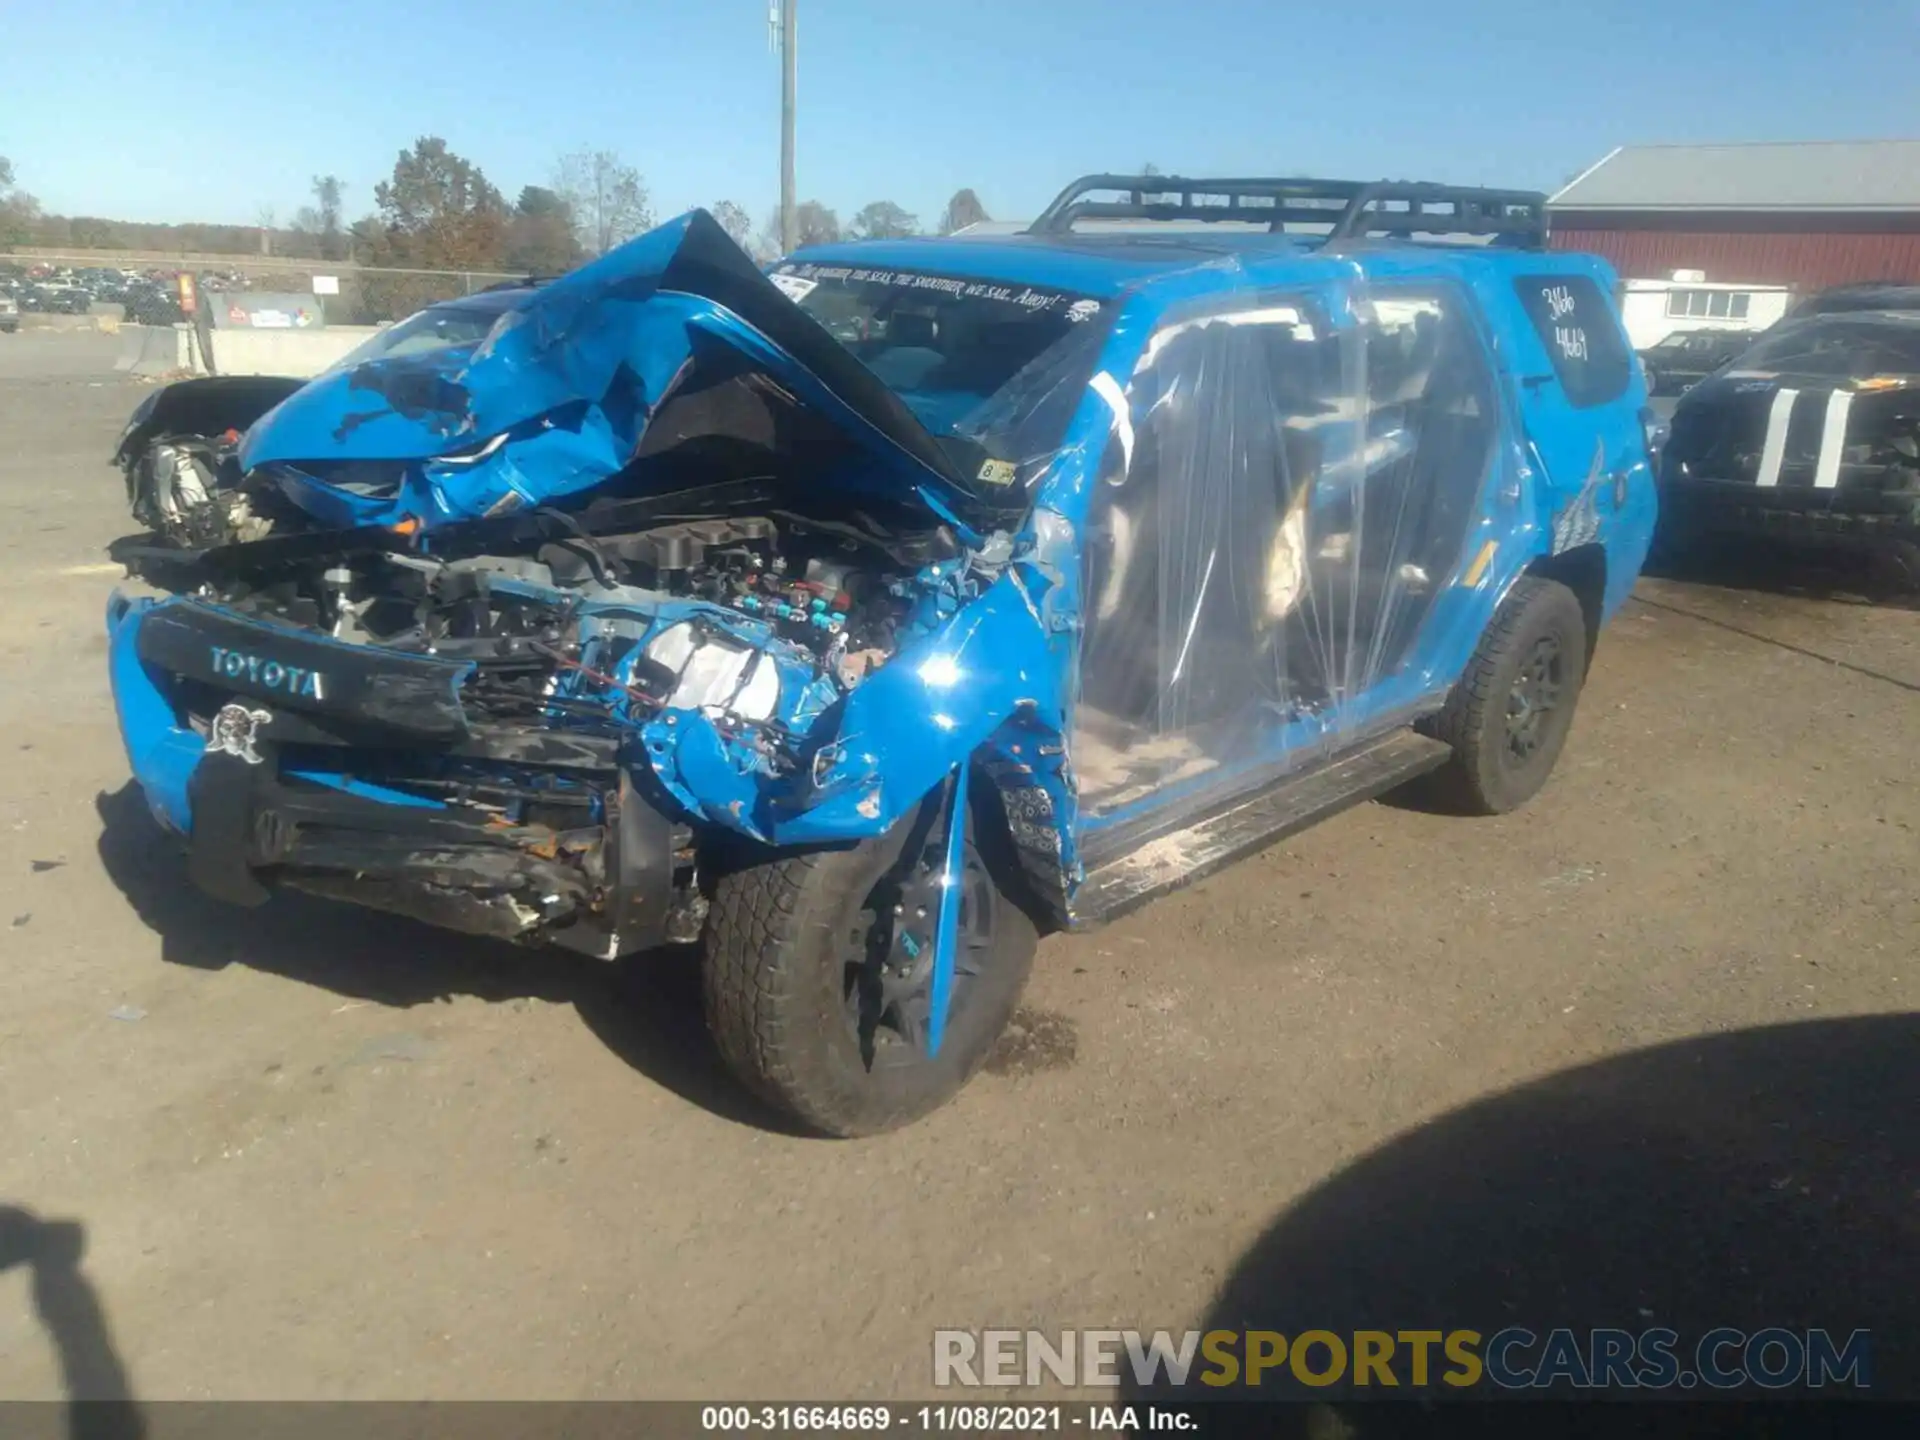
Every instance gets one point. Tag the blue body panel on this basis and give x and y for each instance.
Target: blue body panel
(565, 385)
(162, 752)
(989, 673)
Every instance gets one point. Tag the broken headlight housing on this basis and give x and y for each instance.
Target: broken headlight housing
(716, 672)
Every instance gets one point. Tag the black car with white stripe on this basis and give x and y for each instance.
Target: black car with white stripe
(1812, 435)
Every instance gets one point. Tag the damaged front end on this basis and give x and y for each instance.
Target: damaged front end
(179, 454)
(521, 636)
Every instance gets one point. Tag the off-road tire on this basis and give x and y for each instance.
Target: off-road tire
(1483, 777)
(773, 973)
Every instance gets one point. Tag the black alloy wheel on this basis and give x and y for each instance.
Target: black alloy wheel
(1534, 697)
(888, 957)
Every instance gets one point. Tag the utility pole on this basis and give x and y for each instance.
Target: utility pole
(789, 73)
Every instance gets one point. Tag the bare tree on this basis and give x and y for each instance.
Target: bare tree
(884, 220)
(316, 230)
(766, 245)
(816, 223)
(735, 221)
(327, 191)
(302, 241)
(608, 198)
(962, 210)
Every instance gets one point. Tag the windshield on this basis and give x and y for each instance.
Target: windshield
(997, 363)
(1840, 347)
(432, 329)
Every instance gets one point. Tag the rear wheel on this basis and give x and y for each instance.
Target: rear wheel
(1508, 717)
(818, 971)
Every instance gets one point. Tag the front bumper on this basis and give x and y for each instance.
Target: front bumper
(279, 770)
(1839, 518)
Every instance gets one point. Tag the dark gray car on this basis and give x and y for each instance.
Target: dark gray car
(1686, 357)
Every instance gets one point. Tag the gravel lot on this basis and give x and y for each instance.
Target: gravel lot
(311, 1152)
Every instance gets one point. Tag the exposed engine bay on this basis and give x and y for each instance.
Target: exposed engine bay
(694, 613)
(505, 675)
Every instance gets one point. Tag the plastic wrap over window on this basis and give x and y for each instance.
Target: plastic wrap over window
(1287, 489)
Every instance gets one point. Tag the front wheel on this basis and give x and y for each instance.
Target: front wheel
(1508, 716)
(817, 975)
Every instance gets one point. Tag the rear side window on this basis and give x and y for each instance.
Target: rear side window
(1581, 337)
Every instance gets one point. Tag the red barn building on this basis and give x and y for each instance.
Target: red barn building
(1808, 215)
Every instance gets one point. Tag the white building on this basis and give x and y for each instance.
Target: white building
(1654, 309)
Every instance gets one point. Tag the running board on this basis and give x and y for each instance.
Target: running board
(1285, 808)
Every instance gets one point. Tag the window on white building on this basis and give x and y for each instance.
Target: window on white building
(1708, 304)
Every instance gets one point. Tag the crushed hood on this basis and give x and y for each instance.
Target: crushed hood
(677, 332)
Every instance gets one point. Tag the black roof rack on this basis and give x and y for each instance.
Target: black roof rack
(1351, 209)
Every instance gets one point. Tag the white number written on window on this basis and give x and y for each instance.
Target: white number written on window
(1571, 341)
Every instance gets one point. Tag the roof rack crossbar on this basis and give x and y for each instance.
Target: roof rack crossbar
(1350, 209)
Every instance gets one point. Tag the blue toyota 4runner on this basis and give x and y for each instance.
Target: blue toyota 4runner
(862, 619)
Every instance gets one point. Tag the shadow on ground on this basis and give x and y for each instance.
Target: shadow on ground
(1884, 577)
(646, 1008)
(102, 1405)
(1755, 1179)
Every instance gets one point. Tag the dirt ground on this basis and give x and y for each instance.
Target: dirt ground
(309, 1152)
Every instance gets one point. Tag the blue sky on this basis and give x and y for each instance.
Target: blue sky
(212, 109)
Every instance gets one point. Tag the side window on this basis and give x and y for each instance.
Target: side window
(1292, 499)
(1431, 431)
(1194, 550)
(1580, 335)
